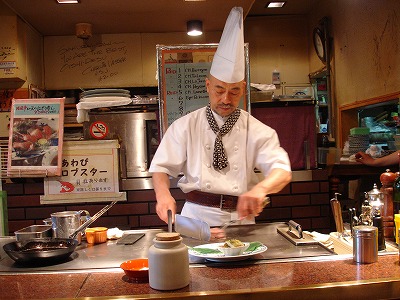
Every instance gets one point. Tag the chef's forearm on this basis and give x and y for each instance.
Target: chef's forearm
(161, 184)
(275, 181)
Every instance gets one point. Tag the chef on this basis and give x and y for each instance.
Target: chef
(217, 147)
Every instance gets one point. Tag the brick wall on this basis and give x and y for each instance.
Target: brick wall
(306, 202)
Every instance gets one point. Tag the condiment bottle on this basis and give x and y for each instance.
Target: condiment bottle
(365, 244)
(168, 262)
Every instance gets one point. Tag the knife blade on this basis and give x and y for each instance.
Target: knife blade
(193, 228)
(337, 214)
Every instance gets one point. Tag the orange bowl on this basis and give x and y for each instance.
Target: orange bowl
(96, 235)
(137, 269)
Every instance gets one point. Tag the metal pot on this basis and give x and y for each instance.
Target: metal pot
(65, 223)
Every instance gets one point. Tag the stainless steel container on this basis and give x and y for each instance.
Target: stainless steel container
(65, 223)
(138, 134)
(365, 244)
(33, 232)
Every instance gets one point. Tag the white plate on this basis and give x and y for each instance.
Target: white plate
(111, 98)
(218, 257)
(49, 156)
(106, 95)
(101, 91)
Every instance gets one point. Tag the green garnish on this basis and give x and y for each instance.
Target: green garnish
(206, 250)
(253, 246)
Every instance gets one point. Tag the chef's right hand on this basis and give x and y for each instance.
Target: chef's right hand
(163, 205)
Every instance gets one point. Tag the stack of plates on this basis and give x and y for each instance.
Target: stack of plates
(358, 143)
(104, 95)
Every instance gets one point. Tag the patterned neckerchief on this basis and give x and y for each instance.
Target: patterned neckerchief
(220, 161)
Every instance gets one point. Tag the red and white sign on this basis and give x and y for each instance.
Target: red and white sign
(98, 130)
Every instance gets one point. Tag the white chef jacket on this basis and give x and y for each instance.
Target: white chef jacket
(188, 145)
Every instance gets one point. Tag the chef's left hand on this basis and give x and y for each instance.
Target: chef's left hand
(251, 203)
(217, 233)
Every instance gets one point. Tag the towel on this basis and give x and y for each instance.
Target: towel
(86, 104)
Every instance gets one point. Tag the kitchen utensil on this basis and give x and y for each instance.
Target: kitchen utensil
(40, 251)
(92, 219)
(211, 252)
(169, 212)
(96, 235)
(294, 233)
(337, 214)
(49, 250)
(365, 244)
(136, 269)
(65, 223)
(193, 228)
(228, 223)
(33, 231)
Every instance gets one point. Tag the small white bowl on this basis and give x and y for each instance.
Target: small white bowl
(233, 251)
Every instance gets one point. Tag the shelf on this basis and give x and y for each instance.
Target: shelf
(73, 125)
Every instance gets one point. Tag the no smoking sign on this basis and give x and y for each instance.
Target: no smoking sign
(98, 130)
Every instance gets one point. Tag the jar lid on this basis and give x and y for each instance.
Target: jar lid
(365, 230)
(167, 236)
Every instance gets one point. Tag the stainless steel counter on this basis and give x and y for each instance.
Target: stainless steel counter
(110, 255)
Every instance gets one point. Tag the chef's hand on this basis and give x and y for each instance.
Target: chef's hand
(163, 205)
(251, 203)
(217, 234)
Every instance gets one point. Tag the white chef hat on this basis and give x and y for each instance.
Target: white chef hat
(228, 62)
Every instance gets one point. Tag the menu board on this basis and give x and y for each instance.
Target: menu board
(182, 72)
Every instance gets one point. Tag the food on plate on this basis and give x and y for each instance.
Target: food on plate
(233, 243)
(30, 135)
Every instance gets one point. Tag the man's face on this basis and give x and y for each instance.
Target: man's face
(224, 97)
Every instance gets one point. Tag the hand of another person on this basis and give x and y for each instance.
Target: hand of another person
(364, 158)
(163, 205)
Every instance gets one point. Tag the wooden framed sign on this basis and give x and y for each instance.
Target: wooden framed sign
(89, 174)
(182, 70)
(36, 137)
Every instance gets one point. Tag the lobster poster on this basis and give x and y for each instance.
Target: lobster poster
(36, 137)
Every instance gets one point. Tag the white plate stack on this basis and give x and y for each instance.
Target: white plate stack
(357, 143)
(104, 95)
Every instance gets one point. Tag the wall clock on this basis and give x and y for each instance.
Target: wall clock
(319, 44)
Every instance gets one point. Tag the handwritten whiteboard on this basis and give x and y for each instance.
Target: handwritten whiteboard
(109, 60)
(182, 70)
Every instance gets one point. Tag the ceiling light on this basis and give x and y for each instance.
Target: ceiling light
(275, 4)
(194, 27)
(67, 1)
(83, 30)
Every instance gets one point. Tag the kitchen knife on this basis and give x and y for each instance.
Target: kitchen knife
(193, 228)
(337, 214)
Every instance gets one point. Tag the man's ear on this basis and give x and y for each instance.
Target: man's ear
(207, 84)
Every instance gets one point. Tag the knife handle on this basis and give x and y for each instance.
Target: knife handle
(297, 227)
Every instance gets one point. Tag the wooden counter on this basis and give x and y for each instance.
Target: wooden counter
(338, 278)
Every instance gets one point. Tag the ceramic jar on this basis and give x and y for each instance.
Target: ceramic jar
(168, 262)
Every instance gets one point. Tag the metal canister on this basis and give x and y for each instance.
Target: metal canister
(365, 244)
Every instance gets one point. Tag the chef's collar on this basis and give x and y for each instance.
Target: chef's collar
(220, 120)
